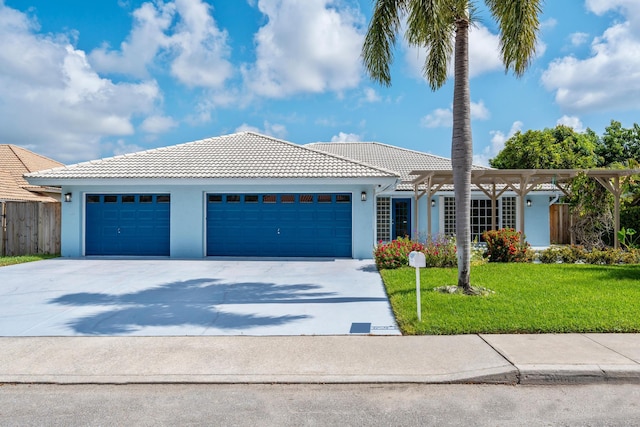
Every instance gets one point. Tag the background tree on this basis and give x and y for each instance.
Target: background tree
(441, 27)
(557, 148)
(619, 146)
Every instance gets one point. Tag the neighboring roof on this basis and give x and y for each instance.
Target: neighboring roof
(14, 163)
(239, 155)
(397, 159)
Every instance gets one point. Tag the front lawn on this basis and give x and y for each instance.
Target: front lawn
(528, 298)
(10, 260)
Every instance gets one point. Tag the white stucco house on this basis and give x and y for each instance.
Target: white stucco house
(247, 194)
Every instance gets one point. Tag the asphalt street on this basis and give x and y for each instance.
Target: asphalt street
(320, 405)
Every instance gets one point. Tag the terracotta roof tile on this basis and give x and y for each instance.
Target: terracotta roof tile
(14, 163)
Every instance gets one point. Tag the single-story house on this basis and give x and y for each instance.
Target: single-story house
(14, 163)
(247, 194)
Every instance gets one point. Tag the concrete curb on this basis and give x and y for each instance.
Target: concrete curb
(461, 359)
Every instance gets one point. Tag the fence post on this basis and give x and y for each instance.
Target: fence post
(3, 226)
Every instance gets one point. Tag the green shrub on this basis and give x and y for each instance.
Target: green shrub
(573, 254)
(504, 246)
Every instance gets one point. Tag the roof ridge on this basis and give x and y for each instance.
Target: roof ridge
(395, 147)
(19, 151)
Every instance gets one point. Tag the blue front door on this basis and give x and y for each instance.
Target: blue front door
(401, 218)
(127, 224)
(280, 225)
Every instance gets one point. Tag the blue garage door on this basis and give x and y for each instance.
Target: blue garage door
(127, 224)
(283, 225)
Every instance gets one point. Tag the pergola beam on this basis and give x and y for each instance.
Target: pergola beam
(521, 182)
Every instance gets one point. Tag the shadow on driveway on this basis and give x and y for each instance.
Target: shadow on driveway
(196, 302)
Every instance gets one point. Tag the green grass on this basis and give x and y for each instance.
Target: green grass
(10, 260)
(528, 298)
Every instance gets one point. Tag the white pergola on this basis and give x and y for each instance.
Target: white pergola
(495, 182)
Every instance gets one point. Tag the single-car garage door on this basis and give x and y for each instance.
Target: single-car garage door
(127, 224)
(279, 225)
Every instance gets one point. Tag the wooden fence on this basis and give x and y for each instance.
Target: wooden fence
(29, 228)
(559, 223)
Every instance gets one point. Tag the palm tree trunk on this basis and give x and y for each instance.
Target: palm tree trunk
(462, 153)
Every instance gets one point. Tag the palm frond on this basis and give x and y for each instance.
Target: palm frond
(519, 24)
(377, 50)
(431, 25)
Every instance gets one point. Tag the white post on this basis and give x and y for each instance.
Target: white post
(418, 294)
(417, 260)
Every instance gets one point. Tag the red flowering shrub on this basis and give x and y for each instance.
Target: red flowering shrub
(439, 253)
(395, 253)
(504, 246)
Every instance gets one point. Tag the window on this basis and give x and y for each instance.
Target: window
(233, 198)
(324, 198)
(111, 199)
(509, 212)
(481, 217)
(128, 199)
(163, 199)
(306, 198)
(251, 198)
(449, 216)
(383, 219)
(92, 198)
(146, 198)
(287, 198)
(269, 198)
(343, 198)
(215, 198)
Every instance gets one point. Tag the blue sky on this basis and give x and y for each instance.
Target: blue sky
(81, 80)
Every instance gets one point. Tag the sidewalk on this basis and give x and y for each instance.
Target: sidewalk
(495, 359)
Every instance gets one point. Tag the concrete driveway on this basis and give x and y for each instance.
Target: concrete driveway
(161, 297)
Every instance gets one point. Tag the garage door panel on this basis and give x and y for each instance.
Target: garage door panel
(279, 225)
(127, 224)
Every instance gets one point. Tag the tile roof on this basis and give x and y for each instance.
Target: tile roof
(239, 155)
(397, 159)
(14, 163)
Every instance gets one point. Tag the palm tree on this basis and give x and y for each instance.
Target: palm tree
(442, 28)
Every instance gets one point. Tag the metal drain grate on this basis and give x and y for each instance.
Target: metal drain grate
(360, 328)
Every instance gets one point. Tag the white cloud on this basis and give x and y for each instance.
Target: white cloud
(346, 137)
(629, 8)
(370, 95)
(571, 121)
(578, 39)
(201, 48)
(443, 117)
(498, 139)
(142, 45)
(53, 101)
(158, 124)
(271, 129)
(440, 117)
(182, 32)
(121, 147)
(609, 78)
(307, 46)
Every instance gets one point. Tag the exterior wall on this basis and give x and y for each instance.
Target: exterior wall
(536, 220)
(188, 232)
(536, 216)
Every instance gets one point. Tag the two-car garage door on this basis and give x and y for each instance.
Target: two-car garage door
(265, 225)
(288, 225)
